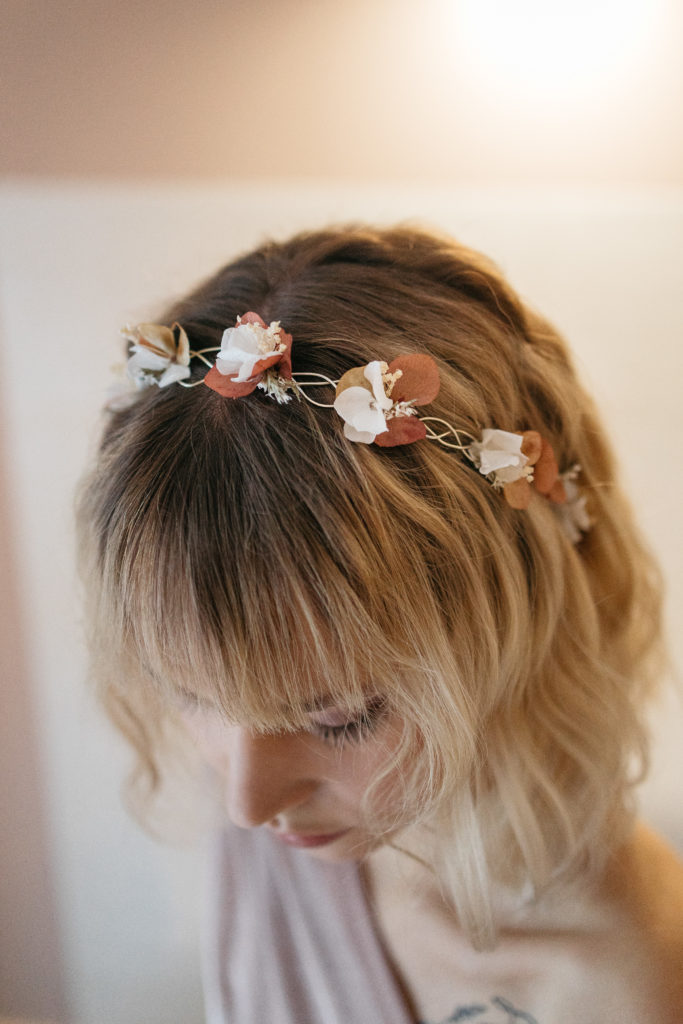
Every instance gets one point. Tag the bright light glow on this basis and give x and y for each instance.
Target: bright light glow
(552, 48)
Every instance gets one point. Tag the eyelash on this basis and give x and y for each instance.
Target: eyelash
(355, 730)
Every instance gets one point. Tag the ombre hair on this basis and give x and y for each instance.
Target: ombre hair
(247, 551)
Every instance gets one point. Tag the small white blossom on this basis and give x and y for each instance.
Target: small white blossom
(123, 392)
(401, 409)
(145, 368)
(156, 358)
(363, 410)
(275, 387)
(245, 345)
(499, 454)
(573, 514)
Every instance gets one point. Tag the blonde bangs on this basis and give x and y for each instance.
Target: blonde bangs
(263, 613)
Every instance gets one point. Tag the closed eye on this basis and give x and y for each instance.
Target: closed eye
(332, 727)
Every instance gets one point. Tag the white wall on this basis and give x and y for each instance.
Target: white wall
(79, 261)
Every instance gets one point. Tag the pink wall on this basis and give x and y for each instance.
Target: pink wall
(30, 958)
(359, 90)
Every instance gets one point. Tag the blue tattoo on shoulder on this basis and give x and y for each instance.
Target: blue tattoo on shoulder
(514, 1014)
(476, 1011)
(467, 1012)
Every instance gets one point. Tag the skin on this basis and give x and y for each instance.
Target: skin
(305, 783)
(615, 953)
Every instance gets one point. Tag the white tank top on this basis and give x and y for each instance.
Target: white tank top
(290, 940)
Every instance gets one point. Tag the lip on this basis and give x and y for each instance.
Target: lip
(307, 840)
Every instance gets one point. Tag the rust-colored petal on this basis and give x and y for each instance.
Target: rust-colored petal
(354, 378)
(532, 446)
(401, 430)
(227, 387)
(518, 493)
(557, 493)
(261, 365)
(252, 318)
(285, 363)
(419, 381)
(545, 470)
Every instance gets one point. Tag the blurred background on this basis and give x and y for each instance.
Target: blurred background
(146, 143)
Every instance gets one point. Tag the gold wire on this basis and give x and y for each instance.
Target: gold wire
(300, 381)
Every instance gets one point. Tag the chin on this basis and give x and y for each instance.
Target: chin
(354, 846)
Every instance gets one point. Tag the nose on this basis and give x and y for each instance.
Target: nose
(267, 775)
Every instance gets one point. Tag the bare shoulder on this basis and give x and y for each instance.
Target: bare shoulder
(646, 882)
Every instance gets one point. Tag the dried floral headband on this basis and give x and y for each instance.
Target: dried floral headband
(377, 403)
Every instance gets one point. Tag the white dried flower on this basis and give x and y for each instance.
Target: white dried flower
(245, 345)
(364, 408)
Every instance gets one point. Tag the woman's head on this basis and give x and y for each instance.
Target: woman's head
(245, 552)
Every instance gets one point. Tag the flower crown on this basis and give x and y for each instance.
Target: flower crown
(377, 402)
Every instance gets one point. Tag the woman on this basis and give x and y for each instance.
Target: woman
(357, 530)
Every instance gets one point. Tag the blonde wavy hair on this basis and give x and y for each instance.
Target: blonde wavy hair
(248, 547)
